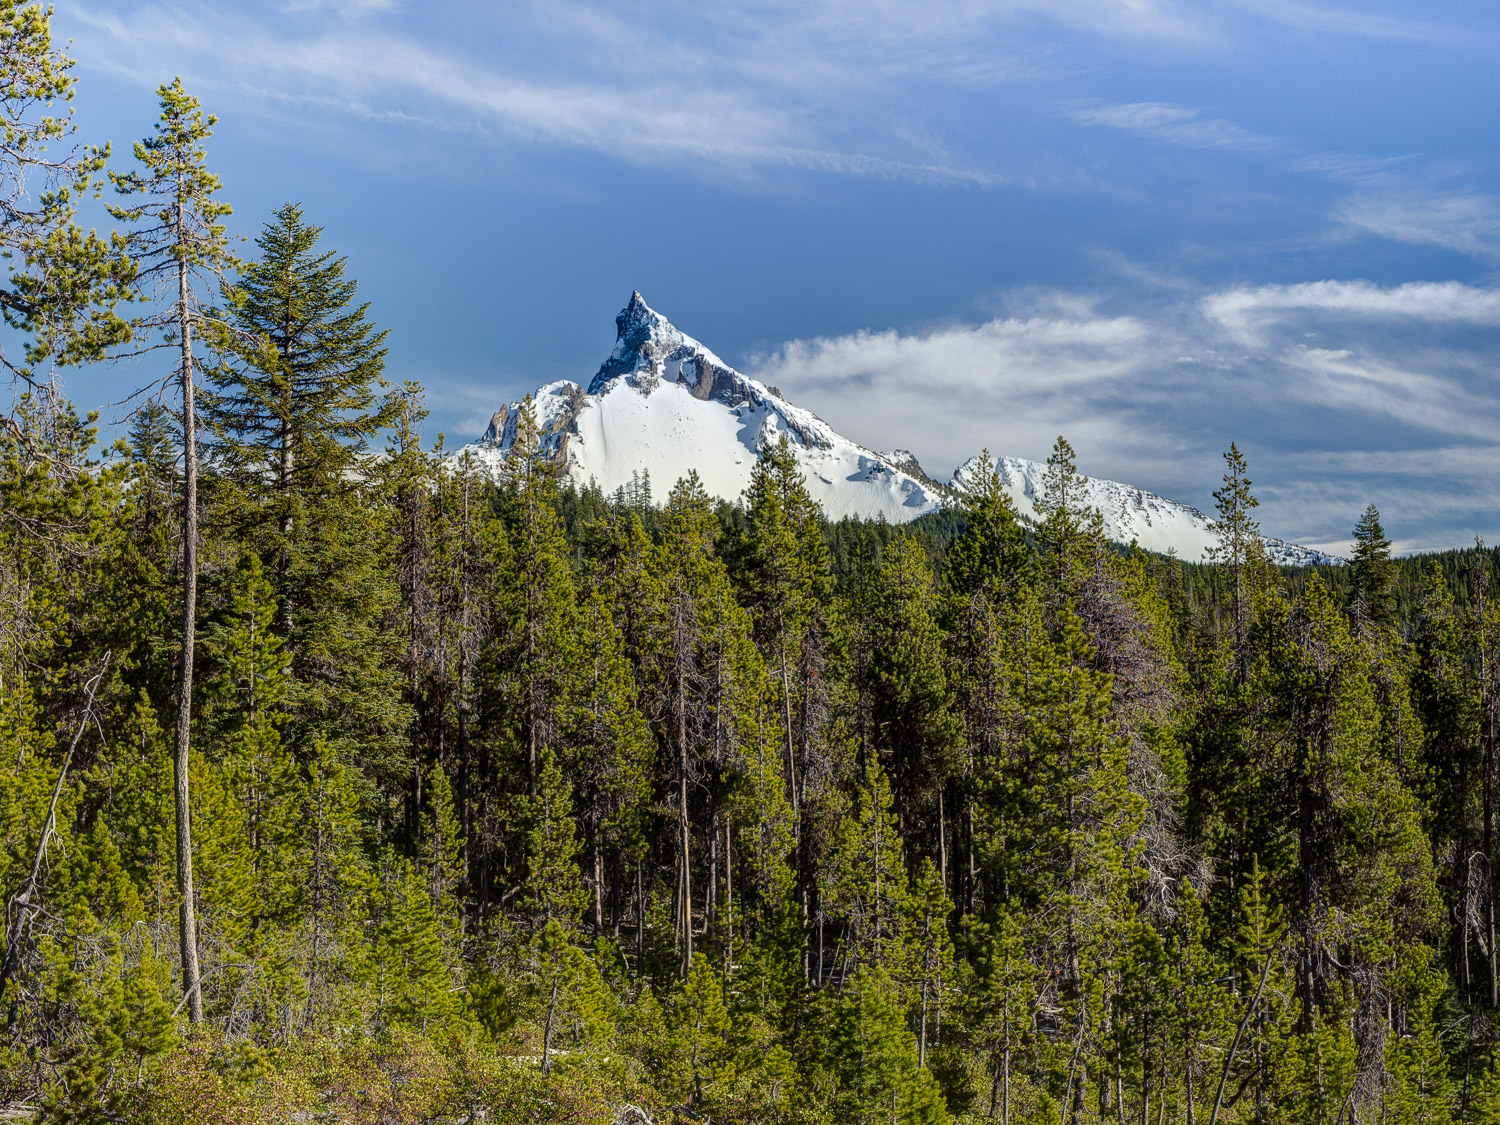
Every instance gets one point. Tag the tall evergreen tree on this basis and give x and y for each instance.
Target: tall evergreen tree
(877, 1076)
(1239, 545)
(1071, 534)
(990, 556)
(294, 400)
(178, 237)
(1371, 569)
(910, 719)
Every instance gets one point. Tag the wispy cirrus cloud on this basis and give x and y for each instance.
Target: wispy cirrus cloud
(662, 114)
(1178, 125)
(1367, 22)
(1245, 310)
(1468, 222)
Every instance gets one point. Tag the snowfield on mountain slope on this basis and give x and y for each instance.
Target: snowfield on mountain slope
(1130, 514)
(664, 404)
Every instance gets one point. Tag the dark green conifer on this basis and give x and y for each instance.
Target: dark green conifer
(1239, 546)
(877, 1077)
(294, 400)
(1371, 568)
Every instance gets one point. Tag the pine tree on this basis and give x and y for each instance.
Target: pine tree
(1001, 1007)
(868, 874)
(1484, 1102)
(154, 450)
(1447, 697)
(442, 846)
(179, 236)
(65, 283)
(336, 883)
(705, 679)
(1071, 534)
(1239, 546)
(539, 598)
(1423, 1092)
(609, 746)
(926, 961)
(415, 983)
(1371, 569)
(554, 886)
(577, 1001)
(990, 556)
(1203, 1018)
(911, 720)
(873, 1060)
(787, 575)
(1144, 1019)
(701, 1023)
(244, 697)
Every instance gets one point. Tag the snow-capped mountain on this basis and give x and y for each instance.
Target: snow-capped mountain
(1131, 514)
(663, 404)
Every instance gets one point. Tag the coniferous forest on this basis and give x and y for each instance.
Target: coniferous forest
(343, 781)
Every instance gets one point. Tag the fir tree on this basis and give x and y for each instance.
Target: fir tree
(292, 408)
(1371, 569)
(294, 402)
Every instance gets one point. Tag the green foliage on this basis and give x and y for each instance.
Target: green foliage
(517, 799)
(555, 892)
(1370, 568)
(872, 1059)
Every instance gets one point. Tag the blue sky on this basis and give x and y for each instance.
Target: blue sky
(1153, 226)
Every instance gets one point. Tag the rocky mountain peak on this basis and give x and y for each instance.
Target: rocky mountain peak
(644, 341)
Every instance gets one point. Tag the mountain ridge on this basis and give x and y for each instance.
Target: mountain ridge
(663, 403)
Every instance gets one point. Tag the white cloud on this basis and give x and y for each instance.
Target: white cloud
(1416, 399)
(1153, 397)
(1175, 124)
(1364, 23)
(665, 114)
(1468, 222)
(1010, 383)
(1244, 311)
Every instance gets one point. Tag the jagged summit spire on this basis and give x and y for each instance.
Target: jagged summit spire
(643, 337)
(637, 315)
